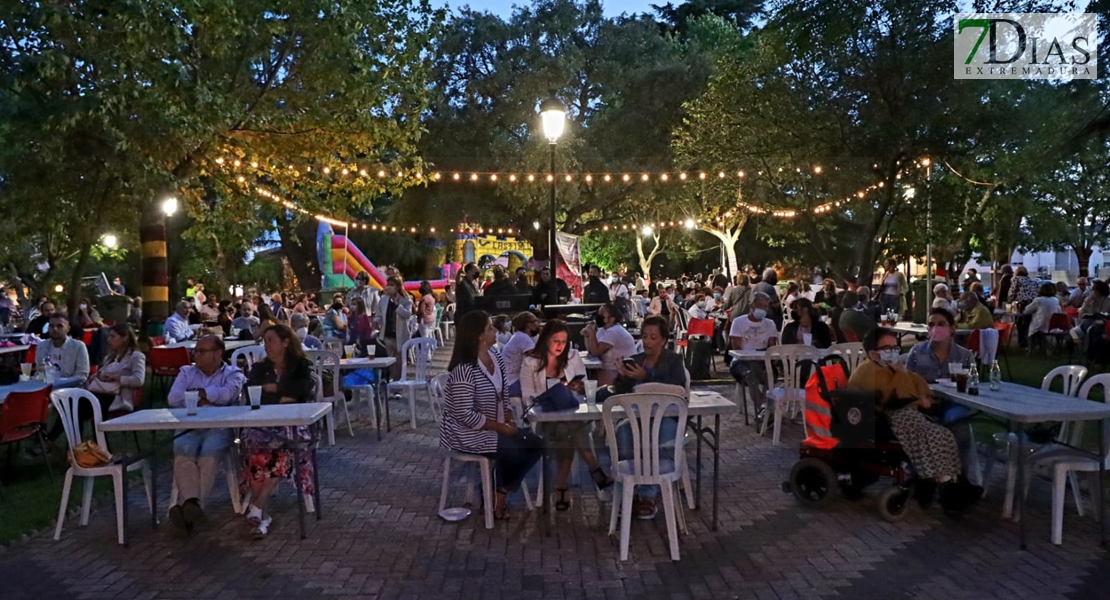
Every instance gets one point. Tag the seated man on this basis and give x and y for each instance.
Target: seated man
(177, 326)
(197, 453)
(65, 363)
(754, 331)
(853, 319)
(973, 314)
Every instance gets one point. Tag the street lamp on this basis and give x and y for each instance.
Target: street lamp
(169, 206)
(553, 112)
(110, 241)
(925, 162)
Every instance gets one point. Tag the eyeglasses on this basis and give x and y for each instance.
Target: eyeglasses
(885, 348)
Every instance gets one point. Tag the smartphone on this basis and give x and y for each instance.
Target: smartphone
(631, 364)
(578, 378)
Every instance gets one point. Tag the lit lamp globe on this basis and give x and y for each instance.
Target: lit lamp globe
(553, 112)
(110, 241)
(169, 206)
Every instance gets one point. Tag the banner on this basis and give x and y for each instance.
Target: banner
(567, 263)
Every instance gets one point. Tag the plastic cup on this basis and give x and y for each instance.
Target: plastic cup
(961, 382)
(192, 398)
(591, 391)
(807, 339)
(25, 368)
(349, 350)
(254, 392)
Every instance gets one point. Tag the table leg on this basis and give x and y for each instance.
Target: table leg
(716, 464)
(153, 479)
(697, 467)
(385, 398)
(300, 493)
(1101, 479)
(316, 486)
(1019, 487)
(546, 484)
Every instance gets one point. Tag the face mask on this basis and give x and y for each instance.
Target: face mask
(600, 320)
(889, 357)
(302, 332)
(716, 296)
(759, 314)
(939, 334)
(82, 306)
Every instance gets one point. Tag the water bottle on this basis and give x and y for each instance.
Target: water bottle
(973, 380)
(996, 377)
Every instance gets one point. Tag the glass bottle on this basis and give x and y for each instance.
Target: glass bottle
(996, 377)
(973, 379)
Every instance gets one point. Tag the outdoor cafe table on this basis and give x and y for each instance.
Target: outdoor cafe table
(919, 330)
(229, 345)
(35, 385)
(1021, 406)
(378, 365)
(228, 417)
(592, 363)
(756, 356)
(701, 404)
(9, 349)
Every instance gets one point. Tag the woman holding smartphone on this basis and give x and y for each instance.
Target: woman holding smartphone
(551, 363)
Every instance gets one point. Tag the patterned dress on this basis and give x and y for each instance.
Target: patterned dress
(263, 455)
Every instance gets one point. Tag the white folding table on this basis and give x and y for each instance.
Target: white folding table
(378, 364)
(1021, 405)
(191, 345)
(701, 404)
(230, 417)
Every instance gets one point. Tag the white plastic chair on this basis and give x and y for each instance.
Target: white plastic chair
(66, 403)
(419, 349)
(448, 323)
(251, 354)
(1072, 375)
(792, 393)
(436, 392)
(683, 467)
(437, 329)
(648, 465)
(852, 353)
(323, 360)
(1067, 462)
(231, 471)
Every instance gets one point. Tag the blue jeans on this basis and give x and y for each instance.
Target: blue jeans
(200, 443)
(668, 429)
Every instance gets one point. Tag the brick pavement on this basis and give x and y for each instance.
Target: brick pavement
(380, 538)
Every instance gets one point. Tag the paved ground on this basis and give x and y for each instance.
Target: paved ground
(380, 538)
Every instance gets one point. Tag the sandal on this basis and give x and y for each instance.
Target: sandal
(562, 504)
(262, 528)
(600, 478)
(254, 515)
(504, 514)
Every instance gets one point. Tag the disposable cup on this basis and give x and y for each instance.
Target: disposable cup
(254, 392)
(807, 339)
(349, 350)
(25, 368)
(591, 391)
(192, 398)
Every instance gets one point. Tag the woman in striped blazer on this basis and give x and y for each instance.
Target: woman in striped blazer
(477, 417)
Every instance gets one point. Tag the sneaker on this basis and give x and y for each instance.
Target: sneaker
(254, 515)
(193, 513)
(605, 495)
(644, 510)
(262, 528)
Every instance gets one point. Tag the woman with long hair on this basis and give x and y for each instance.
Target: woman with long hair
(360, 329)
(426, 311)
(551, 363)
(477, 417)
(286, 377)
(266, 320)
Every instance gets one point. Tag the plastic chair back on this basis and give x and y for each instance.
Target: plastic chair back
(325, 361)
(700, 327)
(66, 403)
(644, 413)
(790, 355)
(419, 350)
(1085, 392)
(851, 352)
(988, 345)
(1005, 330)
(23, 414)
(437, 392)
(973, 342)
(1072, 376)
(169, 358)
(251, 354)
(1059, 321)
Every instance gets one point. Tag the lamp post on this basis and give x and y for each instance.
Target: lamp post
(928, 239)
(553, 112)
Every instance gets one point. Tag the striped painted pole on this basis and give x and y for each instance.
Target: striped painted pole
(155, 277)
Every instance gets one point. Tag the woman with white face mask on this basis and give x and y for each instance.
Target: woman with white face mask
(901, 395)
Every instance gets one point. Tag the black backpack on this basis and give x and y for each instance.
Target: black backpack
(699, 354)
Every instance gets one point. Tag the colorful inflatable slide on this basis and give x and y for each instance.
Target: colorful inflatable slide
(341, 260)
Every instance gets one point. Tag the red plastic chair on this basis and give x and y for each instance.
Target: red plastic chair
(166, 363)
(850, 336)
(157, 340)
(87, 336)
(701, 328)
(23, 416)
(973, 341)
(1005, 332)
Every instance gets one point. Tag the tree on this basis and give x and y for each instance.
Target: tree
(656, 249)
(207, 100)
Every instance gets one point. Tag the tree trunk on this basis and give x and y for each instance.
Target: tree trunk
(728, 239)
(155, 278)
(301, 255)
(1083, 253)
(73, 294)
(645, 261)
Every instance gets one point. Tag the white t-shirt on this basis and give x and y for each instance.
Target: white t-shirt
(753, 334)
(622, 344)
(513, 355)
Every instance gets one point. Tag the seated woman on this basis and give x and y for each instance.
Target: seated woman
(900, 395)
(477, 417)
(360, 329)
(335, 322)
(549, 364)
(286, 377)
(806, 320)
(608, 340)
(1041, 309)
(266, 320)
(655, 364)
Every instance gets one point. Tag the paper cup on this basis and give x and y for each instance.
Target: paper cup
(807, 339)
(349, 350)
(254, 392)
(191, 400)
(25, 368)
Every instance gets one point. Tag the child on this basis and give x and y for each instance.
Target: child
(504, 333)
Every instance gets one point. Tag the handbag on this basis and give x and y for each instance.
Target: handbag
(557, 397)
(88, 455)
(99, 386)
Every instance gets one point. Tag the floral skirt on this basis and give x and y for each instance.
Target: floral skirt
(264, 457)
